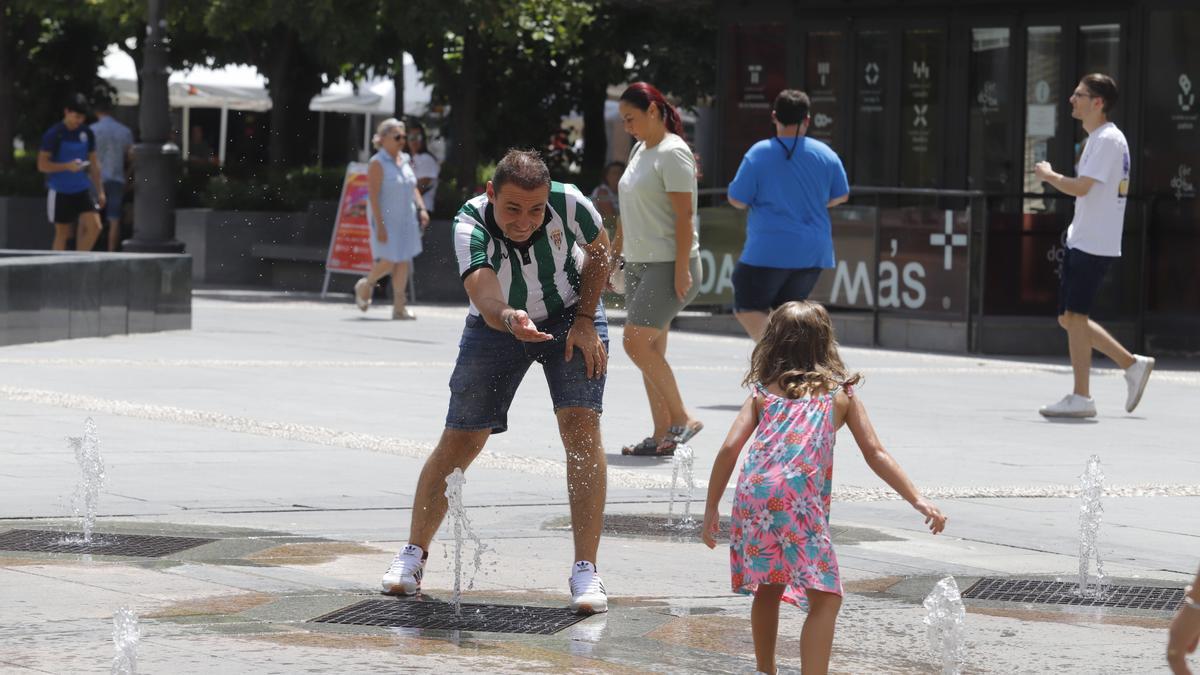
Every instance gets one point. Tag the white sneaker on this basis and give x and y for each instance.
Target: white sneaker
(587, 590)
(403, 576)
(1071, 405)
(1136, 377)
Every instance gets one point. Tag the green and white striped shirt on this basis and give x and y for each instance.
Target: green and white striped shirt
(541, 275)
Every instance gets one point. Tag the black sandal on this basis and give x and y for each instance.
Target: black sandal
(647, 448)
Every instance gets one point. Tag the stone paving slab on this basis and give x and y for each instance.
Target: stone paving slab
(293, 431)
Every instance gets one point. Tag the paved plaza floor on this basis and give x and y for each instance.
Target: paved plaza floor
(290, 433)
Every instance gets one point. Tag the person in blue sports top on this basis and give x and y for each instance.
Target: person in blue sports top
(67, 156)
(789, 183)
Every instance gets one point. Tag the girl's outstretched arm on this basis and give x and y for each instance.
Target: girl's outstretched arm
(886, 467)
(723, 465)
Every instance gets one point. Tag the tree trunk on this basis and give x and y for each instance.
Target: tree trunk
(398, 85)
(278, 84)
(7, 104)
(595, 128)
(463, 110)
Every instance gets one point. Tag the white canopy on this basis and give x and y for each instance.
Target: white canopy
(232, 87)
(239, 87)
(376, 96)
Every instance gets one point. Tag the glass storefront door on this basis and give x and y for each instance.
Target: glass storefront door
(824, 67)
(923, 125)
(1170, 155)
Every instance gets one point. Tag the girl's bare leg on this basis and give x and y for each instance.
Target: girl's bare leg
(816, 639)
(764, 624)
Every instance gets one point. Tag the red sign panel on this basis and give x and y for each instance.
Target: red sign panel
(350, 247)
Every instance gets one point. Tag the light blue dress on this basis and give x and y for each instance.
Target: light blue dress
(398, 204)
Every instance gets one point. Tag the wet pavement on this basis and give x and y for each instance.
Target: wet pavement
(290, 434)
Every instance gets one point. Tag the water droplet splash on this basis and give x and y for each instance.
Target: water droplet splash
(462, 527)
(87, 493)
(125, 638)
(944, 616)
(683, 462)
(1091, 513)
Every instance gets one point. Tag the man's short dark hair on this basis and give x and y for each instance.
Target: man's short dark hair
(523, 168)
(1101, 86)
(102, 105)
(791, 107)
(78, 103)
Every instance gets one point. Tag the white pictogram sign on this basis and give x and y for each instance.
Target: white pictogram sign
(755, 71)
(821, 120)
(948, 240)
(1182, 183)
(1041, 91)
(919, 111)
(1187, 97)
(989, 96)
(823, 71)
(921, 70)
(872, 73)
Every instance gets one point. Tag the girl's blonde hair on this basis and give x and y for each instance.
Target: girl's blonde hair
(382, 130)
(798, 352)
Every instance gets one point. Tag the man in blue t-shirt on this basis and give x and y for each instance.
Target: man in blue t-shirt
(68, 149)
(789, 183)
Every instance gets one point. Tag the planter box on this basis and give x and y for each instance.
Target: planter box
(286, 251)
(58, 295)
(233, 247)
(23, 223)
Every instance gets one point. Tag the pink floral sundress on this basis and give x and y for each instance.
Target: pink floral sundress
(779, 532)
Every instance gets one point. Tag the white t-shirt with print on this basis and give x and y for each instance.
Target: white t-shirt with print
(425, 166)
(1100, 214)
(647, 218)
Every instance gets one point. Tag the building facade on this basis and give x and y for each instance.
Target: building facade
(969, 96)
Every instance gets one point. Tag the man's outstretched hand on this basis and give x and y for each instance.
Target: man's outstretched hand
(522, 327)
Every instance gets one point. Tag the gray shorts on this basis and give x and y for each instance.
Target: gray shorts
(650, 298)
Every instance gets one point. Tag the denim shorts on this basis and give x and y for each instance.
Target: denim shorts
(762, 289)
(1079, 279)
(114, 192)
(492, 363)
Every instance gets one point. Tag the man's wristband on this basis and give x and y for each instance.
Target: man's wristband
(507, 320)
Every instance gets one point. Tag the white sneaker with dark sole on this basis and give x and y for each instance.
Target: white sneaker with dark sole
(403, 576)
(587, 590)
(1136, 377)
(1071, 405)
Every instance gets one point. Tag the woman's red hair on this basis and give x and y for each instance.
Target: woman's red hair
(641, 94)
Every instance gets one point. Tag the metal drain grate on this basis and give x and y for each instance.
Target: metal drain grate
(1063, 593)
(432, 614)
(138, 545)
(638, 525)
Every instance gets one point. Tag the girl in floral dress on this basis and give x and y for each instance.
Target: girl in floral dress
(780, 546)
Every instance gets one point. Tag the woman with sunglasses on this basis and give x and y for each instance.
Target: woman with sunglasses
(397, 216)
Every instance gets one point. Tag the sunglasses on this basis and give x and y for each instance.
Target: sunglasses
(399, 137)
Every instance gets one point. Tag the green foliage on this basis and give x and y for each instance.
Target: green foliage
(516, 67)
(290, 191)
(55, 49)
(22, 179)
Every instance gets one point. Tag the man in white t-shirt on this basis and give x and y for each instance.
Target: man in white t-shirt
(1093, 243)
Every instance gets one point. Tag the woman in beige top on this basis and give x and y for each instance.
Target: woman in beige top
(657, 231)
